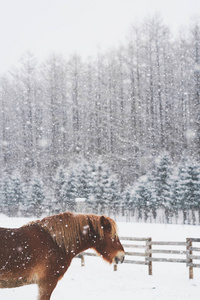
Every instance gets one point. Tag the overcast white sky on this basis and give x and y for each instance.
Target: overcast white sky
(68, 26)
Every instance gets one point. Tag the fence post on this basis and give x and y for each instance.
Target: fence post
(82, 260)
(115, 267)
(189, 259)
(148, 254)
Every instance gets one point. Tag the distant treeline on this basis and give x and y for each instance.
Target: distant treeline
(125, 106)
(171, 189)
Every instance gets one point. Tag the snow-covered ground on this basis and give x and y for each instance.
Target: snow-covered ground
(97, 280)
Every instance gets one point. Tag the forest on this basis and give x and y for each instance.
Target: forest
(117, 112)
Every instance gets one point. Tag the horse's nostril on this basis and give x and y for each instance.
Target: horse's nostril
(116, 260)
(119, 259)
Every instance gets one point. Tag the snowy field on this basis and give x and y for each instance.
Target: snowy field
(98, 281)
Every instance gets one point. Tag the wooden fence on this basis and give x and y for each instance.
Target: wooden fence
(144, 251)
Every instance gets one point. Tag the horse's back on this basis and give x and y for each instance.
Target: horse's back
(24, 255)
(14, 247)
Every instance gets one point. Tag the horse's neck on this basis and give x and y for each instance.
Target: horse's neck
(85, 243)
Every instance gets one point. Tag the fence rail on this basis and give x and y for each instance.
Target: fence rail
(146, 254)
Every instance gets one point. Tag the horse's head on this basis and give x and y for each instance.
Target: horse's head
(108, 245)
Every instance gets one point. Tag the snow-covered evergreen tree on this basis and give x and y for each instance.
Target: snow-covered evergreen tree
(69, 191)
(162, 175)
(153, 204)
(189, 187)
(113, 195)
(37, 196)
(98, 190)
(8, 200)
(60, 198)
(105, 188)
(142, 198)
(18, 194)
(175, 200)
(126, 201)
(82, 171)
(93, 181)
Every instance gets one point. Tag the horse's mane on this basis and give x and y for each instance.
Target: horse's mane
(67, 229)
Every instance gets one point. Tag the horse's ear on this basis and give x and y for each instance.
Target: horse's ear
(105, 223)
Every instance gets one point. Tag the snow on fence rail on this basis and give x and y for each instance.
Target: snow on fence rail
(144, 251)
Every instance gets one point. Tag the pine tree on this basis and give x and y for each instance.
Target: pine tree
(175, 201)
(113, 195)
(153, 199)
(18, 194)
(98, 189)
(194, 188)
(37, 196)
(25, 207)
(60, 198)
(143, 198)
(8, 195)
(83, 176)
(69, 191)
(189, 187)
(104, 189)
(161, 176)
(126, 201)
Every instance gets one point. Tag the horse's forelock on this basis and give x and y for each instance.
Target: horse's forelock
(113, 227)
(98, 228)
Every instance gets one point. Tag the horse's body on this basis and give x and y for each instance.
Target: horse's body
(41, 251)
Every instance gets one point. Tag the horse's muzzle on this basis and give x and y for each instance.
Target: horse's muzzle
(119, 257)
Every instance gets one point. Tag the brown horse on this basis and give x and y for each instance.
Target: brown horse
(41, 251)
